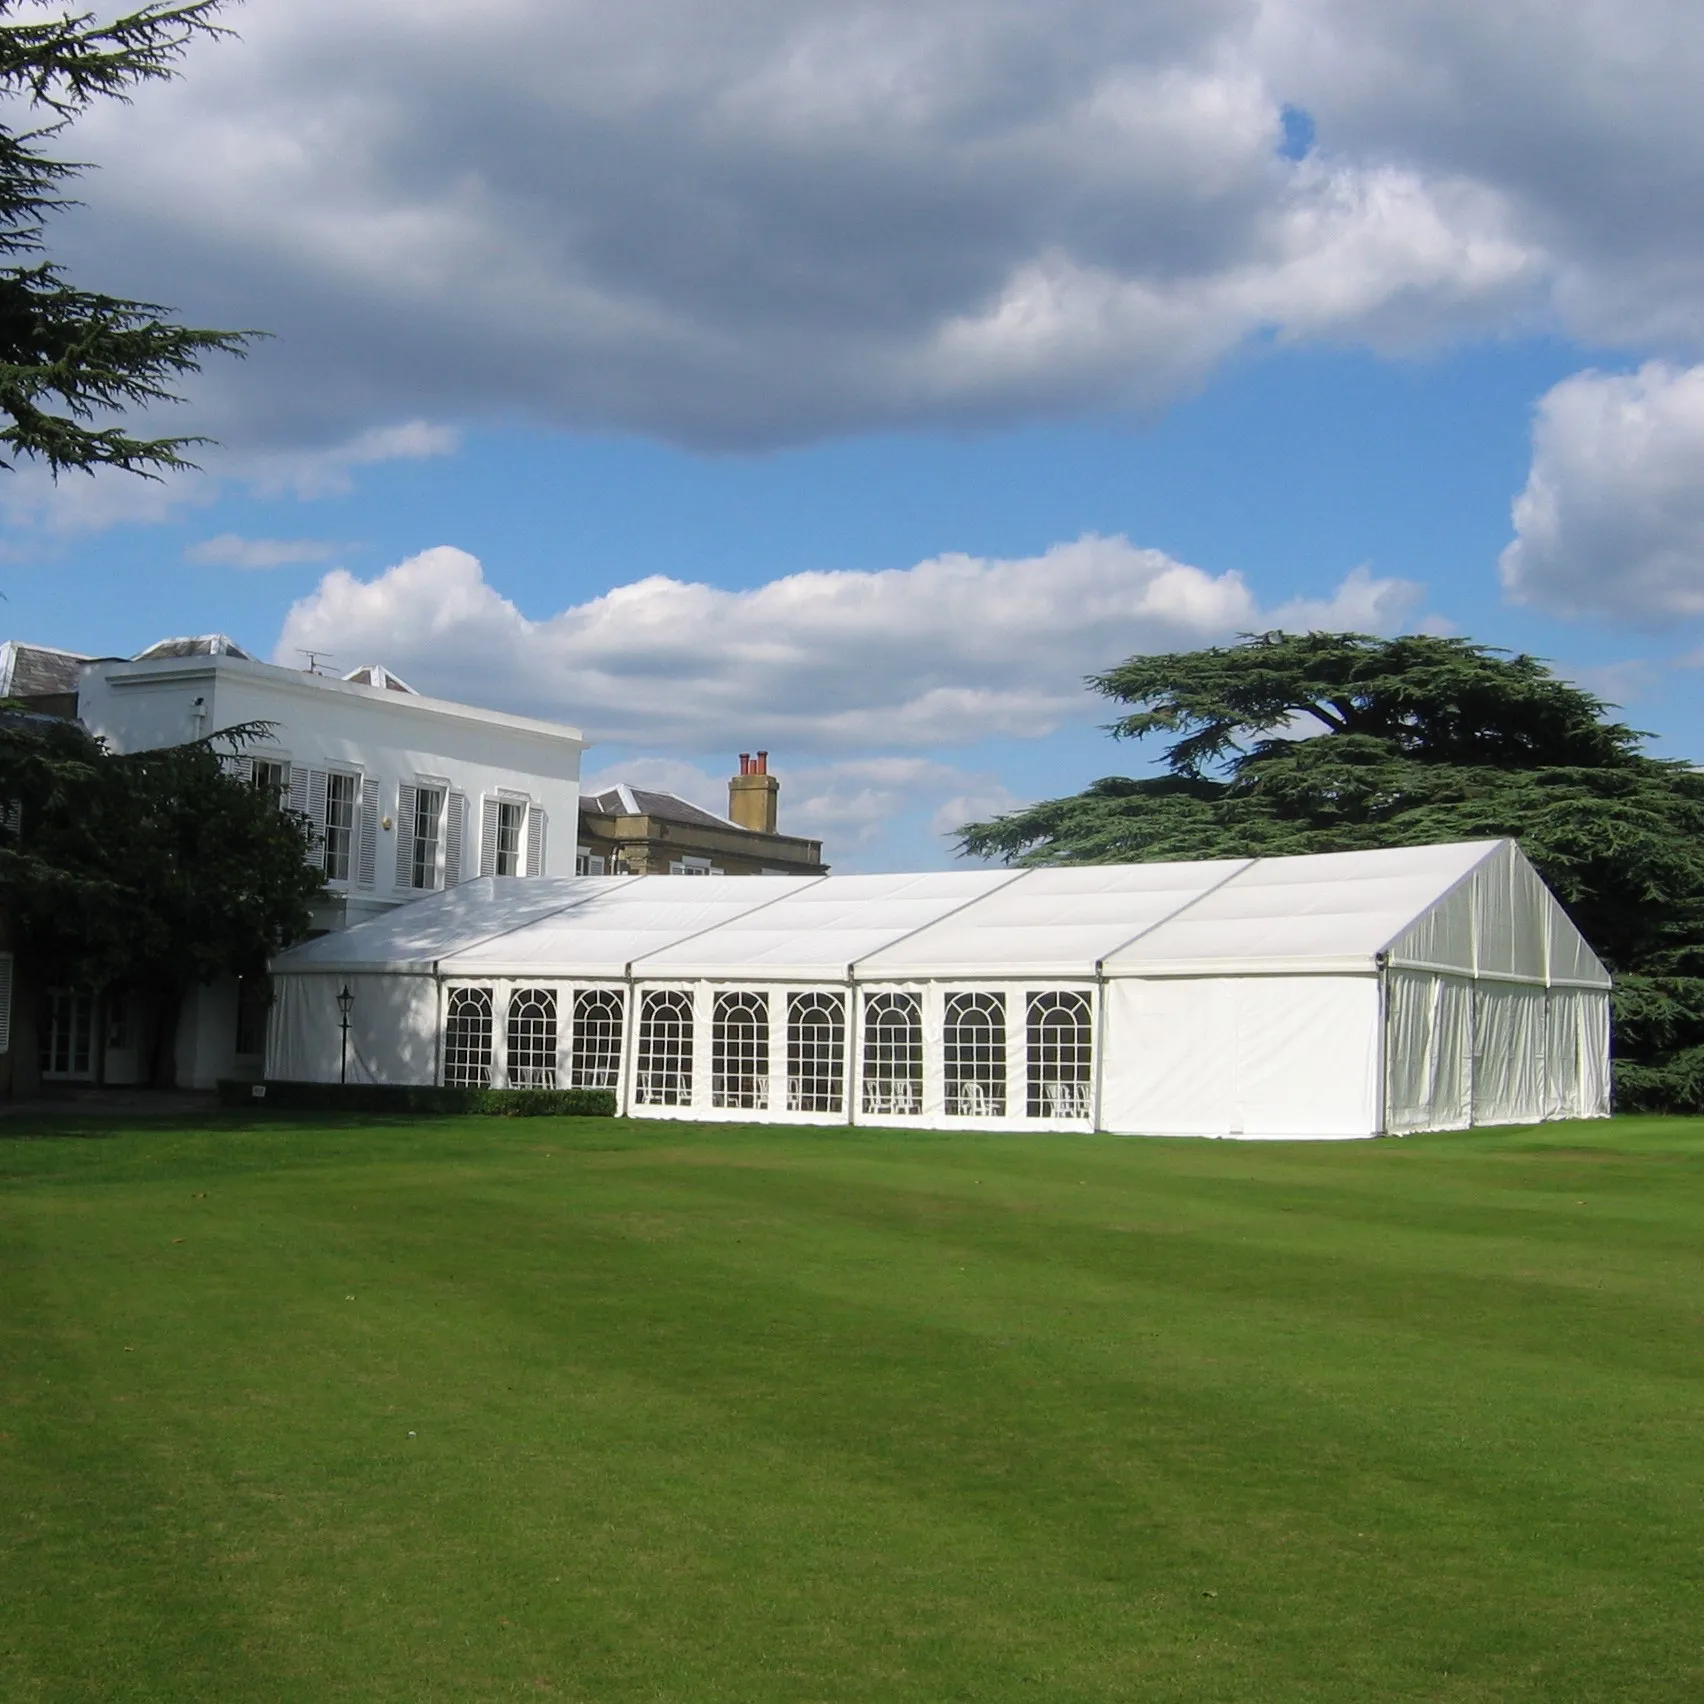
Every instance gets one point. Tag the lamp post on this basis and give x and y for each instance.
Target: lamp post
(344, 1001)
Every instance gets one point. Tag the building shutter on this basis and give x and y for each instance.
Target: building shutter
(367, 856)
(316, 816)
(240, 767)
(488, 837)
(405, 836)
(537, 823)
(455, 832)
(298, 789)
(5, 1002)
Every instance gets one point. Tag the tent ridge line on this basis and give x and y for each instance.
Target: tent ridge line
(1244, 865)
(1011, 880)
(711, 928)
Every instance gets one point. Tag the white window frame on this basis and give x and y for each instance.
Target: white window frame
(428, 784)
(357, 792)
(281, 762)
(689, 864)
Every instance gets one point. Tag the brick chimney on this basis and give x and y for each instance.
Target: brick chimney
(752, 794)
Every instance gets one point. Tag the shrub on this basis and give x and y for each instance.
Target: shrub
(405, 1097)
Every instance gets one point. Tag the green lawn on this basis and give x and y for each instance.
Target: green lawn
(484, 1409)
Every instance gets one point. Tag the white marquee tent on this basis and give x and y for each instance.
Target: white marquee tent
(1342, 994)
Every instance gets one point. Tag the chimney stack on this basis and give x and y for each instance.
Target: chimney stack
(752, 794)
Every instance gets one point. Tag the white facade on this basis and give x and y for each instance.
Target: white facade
(1340, 995)
(409, 795)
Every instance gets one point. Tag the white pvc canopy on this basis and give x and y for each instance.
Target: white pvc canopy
(1333, 994)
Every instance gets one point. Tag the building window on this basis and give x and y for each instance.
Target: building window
(690, 866)
(816, 1053)
(588, 864)
(532, 1038)
(664, 1076)
(1061, 1056)
(254, 1001)
(739, 1052)
(511, 821)
(467, 1039)
(428, 822)
(893, 1054)
(272, 779)
(68, 1021)
(341, 793)
(975, 1055)
(597, 1039)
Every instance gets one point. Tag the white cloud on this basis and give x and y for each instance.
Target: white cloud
(953, 650)
(1611, 522)
(229, 550)
(763, 222)
(31, 498)
(328, 472)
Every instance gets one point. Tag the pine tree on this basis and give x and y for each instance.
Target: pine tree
(73, 361)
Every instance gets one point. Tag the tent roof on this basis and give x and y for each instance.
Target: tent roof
(828, 927)
(1050, 922)
(1474, 908)
(612, 925)
(417, 935)
(1322, 910)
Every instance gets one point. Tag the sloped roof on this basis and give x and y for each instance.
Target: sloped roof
(201, 645)
(622, 800)
(1051, 922)
(38, 671)
(376, 674)
(826, 928)
(1477, 908)
(1326, 908)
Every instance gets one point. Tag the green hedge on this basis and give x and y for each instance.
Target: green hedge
(401, 1097)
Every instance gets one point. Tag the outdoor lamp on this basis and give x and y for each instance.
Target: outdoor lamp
(344, 1001)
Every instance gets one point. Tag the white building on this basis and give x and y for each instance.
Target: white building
(1337, 995)
(409, 795)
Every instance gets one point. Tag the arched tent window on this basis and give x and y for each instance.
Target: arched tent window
(664, 1075)
(467, 1039)
(893, 1054)
(974, 1055)
(816, 1052)
(739, 1051)
(597, 1039)
(1061, 1055)
(532, 1038)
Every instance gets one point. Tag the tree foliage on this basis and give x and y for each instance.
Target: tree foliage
(150, 871)
(72, 361)
(1325, 742)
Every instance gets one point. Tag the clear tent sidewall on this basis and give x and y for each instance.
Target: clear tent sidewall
(1038, 1089)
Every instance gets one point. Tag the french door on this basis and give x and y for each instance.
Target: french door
(67, 1035)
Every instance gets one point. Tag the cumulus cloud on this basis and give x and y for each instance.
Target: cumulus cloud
(230, 550)
(1611, 522)
(757, 223)
(955, 649)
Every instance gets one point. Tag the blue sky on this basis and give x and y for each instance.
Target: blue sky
(751, 405)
